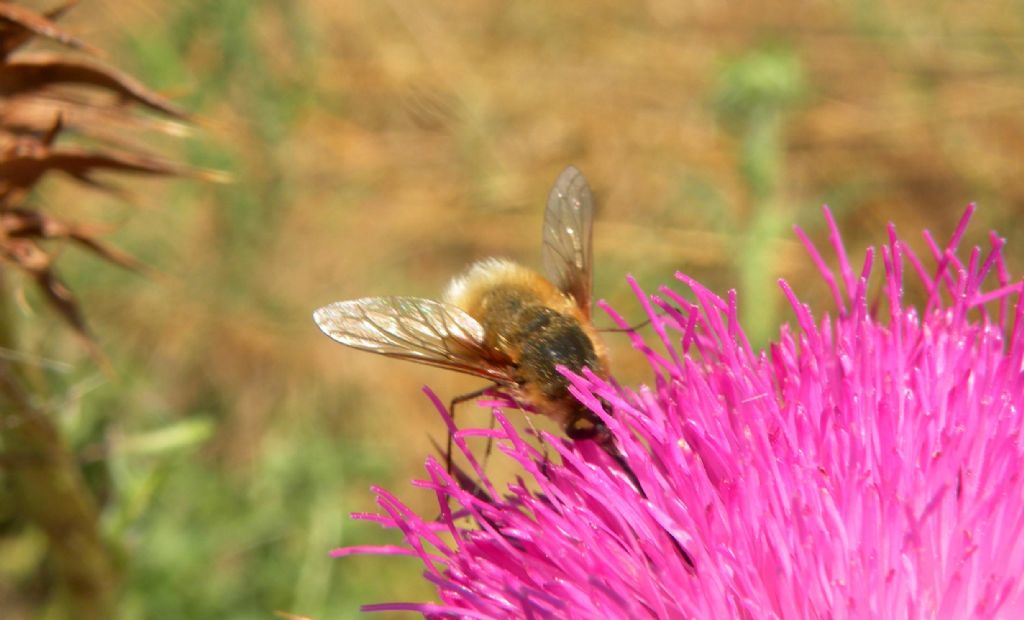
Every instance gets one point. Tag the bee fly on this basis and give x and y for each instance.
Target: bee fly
(501, 321)
(505, 323)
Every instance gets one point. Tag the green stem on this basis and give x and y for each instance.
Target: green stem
(49, 491)
(763, 163)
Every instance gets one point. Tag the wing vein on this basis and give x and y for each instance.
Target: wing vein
(421, 330)
(568, 230)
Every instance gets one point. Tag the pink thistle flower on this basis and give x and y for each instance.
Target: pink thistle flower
(864, 466)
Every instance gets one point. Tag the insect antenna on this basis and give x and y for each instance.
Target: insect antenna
(619, 330)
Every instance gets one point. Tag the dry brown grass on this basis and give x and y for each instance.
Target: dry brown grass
(432, 132)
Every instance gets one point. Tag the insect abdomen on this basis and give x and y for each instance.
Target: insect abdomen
(560, 342)
(539, 338)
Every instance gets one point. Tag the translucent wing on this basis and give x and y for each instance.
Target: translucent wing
(421, 330)
(568, 223)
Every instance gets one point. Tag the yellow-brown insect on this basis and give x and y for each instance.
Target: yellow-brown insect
(499, 320)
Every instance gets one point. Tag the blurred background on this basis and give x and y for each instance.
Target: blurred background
(379, 147)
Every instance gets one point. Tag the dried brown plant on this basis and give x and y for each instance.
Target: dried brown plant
(44, 96)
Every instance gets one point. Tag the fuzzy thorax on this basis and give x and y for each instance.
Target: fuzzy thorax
(469, 290)
(536, 326)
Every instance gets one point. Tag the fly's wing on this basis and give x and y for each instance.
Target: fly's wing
(568, 224)
(421, 330)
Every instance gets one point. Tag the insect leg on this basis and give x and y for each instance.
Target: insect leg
(544, 446)
(451, 411)
(490, 444)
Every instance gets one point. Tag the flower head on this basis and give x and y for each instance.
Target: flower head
(863, 466)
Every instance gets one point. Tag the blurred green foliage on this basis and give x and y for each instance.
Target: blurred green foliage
(378, 148)
(755, 93)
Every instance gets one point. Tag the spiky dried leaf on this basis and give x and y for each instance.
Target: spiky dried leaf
(37, 71)
(27, 160)
(27, 255)
(41, 94)
(34, 113)
(25, 223)
(18, 25)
